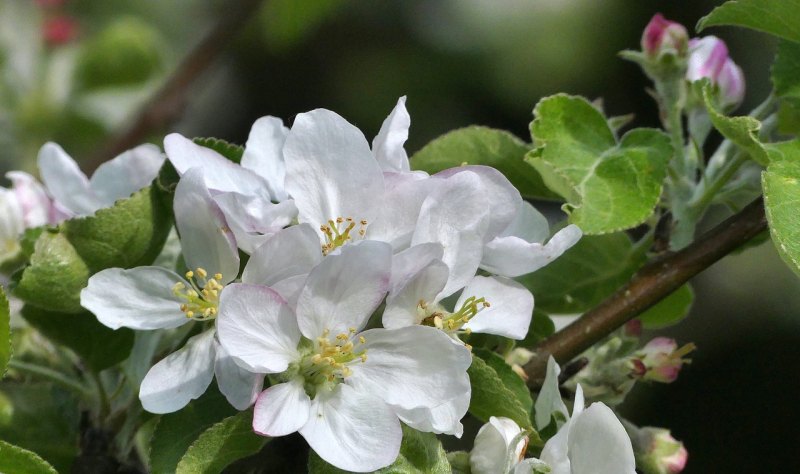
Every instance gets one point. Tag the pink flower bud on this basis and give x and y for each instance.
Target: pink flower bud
(664, 36)
(707, 56)
(659, 452)
(35, 206)
(660, 360)
(731, 85)
(59, 30)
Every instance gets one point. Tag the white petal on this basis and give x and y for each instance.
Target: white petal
(240, 387)
(127, 173)
(503, 198)
(598, 443)
(444, 418)
(344, 290)
(404, 195)
(254, 219)
(32, 198)
(263, 154)
(292, 251)
(511, 307)
(257, 328)
(206, 239)
(529, 225)
(330, 171)
(512, 256)
(180, 377)
(220, 175)
(531, 466)
(415, 366)
(139, 298)
(491, 451)
(406, 264)
(455, 214)
(401, 306)
(65, 181)
(549, 399)
(282, 409)
(556, 451)
(388, 144)
(353, 430)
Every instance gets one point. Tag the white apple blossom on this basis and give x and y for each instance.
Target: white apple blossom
(23, 206)
(156, 298)
(76, 195)
(500, 449)
(343, 389)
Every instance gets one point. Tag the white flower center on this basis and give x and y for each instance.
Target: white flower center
(201, 299)
(339, 231)
(329, 361)
(451, 323)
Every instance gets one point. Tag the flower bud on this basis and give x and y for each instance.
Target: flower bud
(707, 56)
(35, 207)
(731, 85)
(662, 36)
(660, 360)
(59, 30)
(657, 452)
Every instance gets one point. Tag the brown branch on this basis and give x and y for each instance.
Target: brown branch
(653, 282)
(168, 104)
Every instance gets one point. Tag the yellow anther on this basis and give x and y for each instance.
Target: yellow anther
(468, 331)
(363, 222)
(190, 274)
(339, 220)
(342, 336)
(348, 347)
(469, 348)
(352, 330)
(363, 357)
(190, 314)
(218, 276)
(362, 339)
(202, 273)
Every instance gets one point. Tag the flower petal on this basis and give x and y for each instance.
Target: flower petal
(415, 366)
(139, 298)
(257, 328)
(180, 377)
(254, 219)
(512, 256)
(220, 175)
(402, 305)
(409, 262)
(549, 400)
(404, 195)
(444, 418)
(292, 251)
(32, 198)
(206, 239)
(240, 386)
(330, 170)
(598, 443)
(344, 290)
(65, 181)
(281, 409)
(491, 451)
(388, 144)
(352, 430)
(511, 307)
(529, 225)
(263, 154)
(127, 173)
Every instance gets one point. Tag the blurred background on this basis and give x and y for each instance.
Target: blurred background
(78, 71)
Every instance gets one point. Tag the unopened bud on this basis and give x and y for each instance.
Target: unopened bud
(662, 36)
(657, 452)
(731, 85)
(660, 360)
(707, 56)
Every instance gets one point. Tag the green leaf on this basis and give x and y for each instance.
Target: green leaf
(742, 131)
(14, 459)
(491, 396)
(284, 23)
(225, 442)
(776, 17)
(5, 333)
(97, 345)
(786, 70)
(228, 150)
(176, 432)
(511, 379)
(55, 276)
(541, 328)
(585, 275)
(781, 183)
(669, 311)
(420, 453)
(610, 186)
(128, 234)
(484, 146)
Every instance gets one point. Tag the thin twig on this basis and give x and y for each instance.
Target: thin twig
(168, 104)
(651, 284)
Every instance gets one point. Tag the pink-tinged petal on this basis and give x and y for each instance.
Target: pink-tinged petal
(456, 215)
(257, 328)
(503, 198)
(343, 291)
(510, 310)
(353, 430)
(240, 386)
(330, 171)
(254, 219)
(388, 144)
(410, 367)
(32, 199)
(402, 306)
(127, 173)
(65, 181)
(263, 154)
(598, 443)
(221, 174)
(180, 377)
(206, 239)
(731, 85)
(512, 256)
(707, 56)
(139, 298)
(292, 251)
(281, 409)
(406, 264)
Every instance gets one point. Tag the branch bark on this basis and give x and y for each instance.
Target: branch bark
(168, 104)
(653, 282)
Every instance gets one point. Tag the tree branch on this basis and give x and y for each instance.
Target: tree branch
(653, 282)
(168, 104)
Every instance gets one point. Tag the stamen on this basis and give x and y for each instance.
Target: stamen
(339, 231)
(201, 298)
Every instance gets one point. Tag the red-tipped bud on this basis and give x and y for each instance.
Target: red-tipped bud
(660, 360)
(59, 30)
(707, 56)
(660, 452)
(663, 36)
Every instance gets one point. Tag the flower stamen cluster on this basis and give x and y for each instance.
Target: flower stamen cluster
(202, 297)
(329, 362)
(338, 232)
(452, 322)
